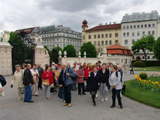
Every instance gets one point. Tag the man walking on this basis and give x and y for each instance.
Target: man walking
(28, 81)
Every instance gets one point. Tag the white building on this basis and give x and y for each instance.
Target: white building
(60, 36)
(135, 26)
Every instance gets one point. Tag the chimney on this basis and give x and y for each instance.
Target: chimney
(100, 24)
(114, 22)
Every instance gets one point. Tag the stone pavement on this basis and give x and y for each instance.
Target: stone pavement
(82, 108)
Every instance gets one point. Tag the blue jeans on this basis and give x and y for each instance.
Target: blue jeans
(61, 93)
(28, 93)
(67, 90)
(74, 85)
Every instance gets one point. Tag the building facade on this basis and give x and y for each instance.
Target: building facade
(137, 25)
(60, 36)
(101, 36)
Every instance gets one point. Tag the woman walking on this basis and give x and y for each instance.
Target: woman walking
(47, 74)
(131, 69)
(18, 77)
(104, 83)
(80, 81)
(94, 79)
(115, 82)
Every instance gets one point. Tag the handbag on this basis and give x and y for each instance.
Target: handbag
(45, 82)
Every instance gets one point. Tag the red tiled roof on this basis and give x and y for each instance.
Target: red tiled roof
(118, 50)
(106, 27)
(117, 47)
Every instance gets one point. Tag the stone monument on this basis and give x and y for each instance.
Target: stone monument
(41, 55)
(5, 54)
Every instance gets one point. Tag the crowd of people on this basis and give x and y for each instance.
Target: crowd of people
(93, 78)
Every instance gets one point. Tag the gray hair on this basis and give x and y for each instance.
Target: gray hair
(17, 65)
(64, 63)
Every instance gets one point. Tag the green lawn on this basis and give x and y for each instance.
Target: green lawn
(151, 68)
(139, 94)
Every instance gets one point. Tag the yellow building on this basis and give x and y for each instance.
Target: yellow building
(101, 36)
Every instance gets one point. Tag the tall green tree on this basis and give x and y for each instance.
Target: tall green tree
(54, 54)
(90, 50)
(156, 49)
(145, 44)
(71, 51)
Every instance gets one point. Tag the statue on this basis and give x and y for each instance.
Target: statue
(38, 39)
(5, 36)
(104, 50)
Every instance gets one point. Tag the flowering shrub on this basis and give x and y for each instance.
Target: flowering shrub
(143, 75)
(147, 84)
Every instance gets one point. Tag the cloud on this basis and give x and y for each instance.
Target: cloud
(69, 13)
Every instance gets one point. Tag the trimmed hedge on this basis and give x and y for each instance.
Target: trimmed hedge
(149, 63)
(143, 75)
(139, 64)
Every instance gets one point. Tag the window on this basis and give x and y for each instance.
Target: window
(137, 26)
(83, 36)
(127, 27)
(134, 26)
(141, 26)
(102, 36)
(98, 35)
(106, 42)
(127, 33)
(126, 42)
(149, 25)
(121, 60)
(102, 42)
(94, 36)
(143, 33)
(110, 35)
(98, 43)
(63, 40)
(133, 41)
(106, 35)
(110, 42)
(95, 43)
(116, 41)
(89, 36)
(153, 25)
(132, 33)
(123, 27)
(153, 57)
(63, 45)
(145, 25)
(152, 32)
(131, 27)
(138, 34)
(116, 34)
(124, 34)
(148, 57)
(149, 32)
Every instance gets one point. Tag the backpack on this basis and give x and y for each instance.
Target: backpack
(3, 81)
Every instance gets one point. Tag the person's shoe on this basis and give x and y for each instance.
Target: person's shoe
(84, 93)
(102, 99)
(112, 106)
(61, 100)
(30, 101)
(37, 95)
(64, 101)
(106, 100)
(20, 98)
(69, 105)
(80, 94)
(65, 104)
(49, 98)
(121, 106)
(94, 103)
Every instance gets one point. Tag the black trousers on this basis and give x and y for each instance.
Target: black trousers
(40, 83)
(81, 86)
(131, 71)
(67, 90)
(114, 93)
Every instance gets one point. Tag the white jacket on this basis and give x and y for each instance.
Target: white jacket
(35, 78)
(18, 76)
(115, 81)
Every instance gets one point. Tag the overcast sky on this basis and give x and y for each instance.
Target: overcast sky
(18, 14)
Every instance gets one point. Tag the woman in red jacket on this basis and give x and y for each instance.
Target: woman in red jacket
(47, 74)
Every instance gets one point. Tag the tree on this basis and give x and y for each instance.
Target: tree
(156, 49)
(145, 44)
(90, 50)
(71, 51)
(54, 54)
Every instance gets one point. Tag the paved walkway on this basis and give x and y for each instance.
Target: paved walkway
(82, 108)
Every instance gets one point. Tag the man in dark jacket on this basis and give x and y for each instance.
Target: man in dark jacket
(28, 81)
(104, 82)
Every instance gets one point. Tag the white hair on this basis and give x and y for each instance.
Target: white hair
(64, 63)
